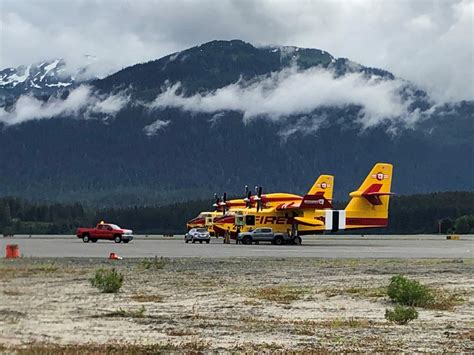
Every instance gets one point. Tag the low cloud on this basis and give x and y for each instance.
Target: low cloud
(299, 92)
(81, 102)
(304, 125)
(153, 128)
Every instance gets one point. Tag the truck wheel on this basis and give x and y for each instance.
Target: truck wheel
(194, 241)
(85, 238)
(208, 241)
(125, 241)
(186, 241)
(297, 240)
(247, 240)
(278, 240)
(118, 239)
(200, 242)
(93, 240)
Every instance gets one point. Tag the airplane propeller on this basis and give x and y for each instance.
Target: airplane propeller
(258, 198)
(248, 194)
(224, 203)
(217, 203)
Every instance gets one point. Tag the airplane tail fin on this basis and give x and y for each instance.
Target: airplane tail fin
(320, 194)
(370, 200)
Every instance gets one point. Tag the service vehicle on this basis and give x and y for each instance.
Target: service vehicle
(197, 235)
(263, 235)
(106, 231)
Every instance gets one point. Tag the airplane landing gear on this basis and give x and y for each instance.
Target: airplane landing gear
(297, 240)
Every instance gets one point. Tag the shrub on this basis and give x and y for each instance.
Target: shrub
(409, 292)
(401, 315)
(107, 281)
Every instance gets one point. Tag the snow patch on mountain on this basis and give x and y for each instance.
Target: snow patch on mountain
(44, 78)
(14, 77)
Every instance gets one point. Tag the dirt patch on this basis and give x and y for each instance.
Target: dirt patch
(242, 304)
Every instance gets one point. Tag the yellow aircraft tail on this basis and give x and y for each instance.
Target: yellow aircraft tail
(369, 204)
(323, 185)
(320, 194)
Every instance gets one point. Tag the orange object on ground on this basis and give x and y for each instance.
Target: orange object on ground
(114, 256)
(12, 251)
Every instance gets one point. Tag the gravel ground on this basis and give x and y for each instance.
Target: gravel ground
(240, 304)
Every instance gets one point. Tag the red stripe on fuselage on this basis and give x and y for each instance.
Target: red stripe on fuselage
(367, 221)
(197, 220)
(225, 219)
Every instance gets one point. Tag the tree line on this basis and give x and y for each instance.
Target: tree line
(446, 212)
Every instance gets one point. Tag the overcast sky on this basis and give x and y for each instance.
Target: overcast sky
(427, 42)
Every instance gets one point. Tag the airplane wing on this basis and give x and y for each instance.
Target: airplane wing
(309, 221)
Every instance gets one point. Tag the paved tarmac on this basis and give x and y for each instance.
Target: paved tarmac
(342, 246)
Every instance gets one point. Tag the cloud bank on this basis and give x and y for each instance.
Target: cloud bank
(300, 92)
(82, 102)
(427, 42)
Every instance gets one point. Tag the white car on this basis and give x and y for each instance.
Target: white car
(197, 234)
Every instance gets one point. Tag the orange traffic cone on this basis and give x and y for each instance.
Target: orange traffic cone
(114, 256)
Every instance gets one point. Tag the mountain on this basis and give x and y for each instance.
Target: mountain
(39, 79)
(215, 117)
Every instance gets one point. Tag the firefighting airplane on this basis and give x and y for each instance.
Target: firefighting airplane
(320, 196)
(368, 208)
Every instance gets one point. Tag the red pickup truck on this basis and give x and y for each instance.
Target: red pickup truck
(105, 231)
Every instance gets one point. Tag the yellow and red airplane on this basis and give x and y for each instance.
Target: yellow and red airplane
(320, 195)
(368, 208)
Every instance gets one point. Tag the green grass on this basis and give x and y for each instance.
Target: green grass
(14, 270)
(279, 294)
(192, 346)
(153, 264)
(444, 301)
(371, 292)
